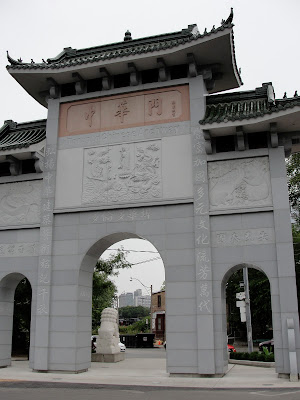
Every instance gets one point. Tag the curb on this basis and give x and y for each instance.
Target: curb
(262, 364)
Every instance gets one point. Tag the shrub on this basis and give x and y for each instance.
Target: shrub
(254, 356)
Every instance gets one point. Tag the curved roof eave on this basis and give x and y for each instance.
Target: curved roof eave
(33, 77)
(287, 121)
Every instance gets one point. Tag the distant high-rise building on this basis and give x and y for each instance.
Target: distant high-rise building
(138, 292)
(144, 301)
(126, 299)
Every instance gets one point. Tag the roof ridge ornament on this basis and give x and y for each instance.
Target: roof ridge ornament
(229, 19)
(12, 124)
(127, 36)
(12, 61)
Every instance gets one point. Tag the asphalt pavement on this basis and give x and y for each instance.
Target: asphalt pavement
(147, 371)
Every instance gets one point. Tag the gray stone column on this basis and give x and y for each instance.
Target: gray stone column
(284, 301)
(204, 296)
(43, 300)
(6, 322)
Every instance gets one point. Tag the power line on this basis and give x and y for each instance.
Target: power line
(151, 259)
(135, 251)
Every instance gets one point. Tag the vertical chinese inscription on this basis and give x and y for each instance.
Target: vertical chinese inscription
(155, 104)
(202, 226)
(88, 115)
(122, 110)
(46, 231)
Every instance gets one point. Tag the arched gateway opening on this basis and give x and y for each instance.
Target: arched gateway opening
(15, 317)
(246, 285)
(86, 279)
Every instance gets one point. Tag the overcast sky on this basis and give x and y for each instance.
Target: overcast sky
(266, 44)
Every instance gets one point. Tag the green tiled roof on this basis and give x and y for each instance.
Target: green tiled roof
(70, 57)
(244, 106)
(16, 136)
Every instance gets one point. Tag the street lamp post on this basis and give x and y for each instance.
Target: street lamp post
(146, 287)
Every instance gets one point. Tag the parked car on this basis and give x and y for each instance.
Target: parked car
(230, 348)
(269, 344)
(122, 347)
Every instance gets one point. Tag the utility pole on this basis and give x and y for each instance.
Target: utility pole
(248, 311)
(151, 329)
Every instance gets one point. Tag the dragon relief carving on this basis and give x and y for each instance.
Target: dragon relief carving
(122, 173)
(20, 203)
(239, 183)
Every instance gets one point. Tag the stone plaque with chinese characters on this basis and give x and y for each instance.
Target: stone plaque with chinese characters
(122, 172)
(125, 111)
(239, 183)
(243, 237)
(19, 250)
(20, 203)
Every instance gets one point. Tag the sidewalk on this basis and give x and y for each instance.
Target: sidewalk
(150, 372)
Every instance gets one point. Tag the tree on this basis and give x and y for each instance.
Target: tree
(137, 327)
(104, 290)
(22, 317)
(293, 174)
(134, 312)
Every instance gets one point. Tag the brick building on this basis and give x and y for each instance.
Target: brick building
(158, 315)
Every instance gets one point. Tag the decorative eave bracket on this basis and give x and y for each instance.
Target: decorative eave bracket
(134, 74)
(15, 165)
(80, 83)
(39, 161)
(240, 138)
(163, 73)
(106, 79)
(54, 91)
(273, 134)
(208, 144)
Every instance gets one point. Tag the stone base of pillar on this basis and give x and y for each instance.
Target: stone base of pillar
(109, 358)
(192, 375)
(59, 371)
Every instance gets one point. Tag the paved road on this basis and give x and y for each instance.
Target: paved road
(51, 391)
(157, 352)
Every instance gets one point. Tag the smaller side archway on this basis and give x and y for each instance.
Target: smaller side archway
(222, 322)
(8, 286)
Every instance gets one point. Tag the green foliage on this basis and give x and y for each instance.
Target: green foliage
(137, 327)
(104, 290)
(254, 356)
(293, 173)
(266, 351)
(133, 312)
(22, 317)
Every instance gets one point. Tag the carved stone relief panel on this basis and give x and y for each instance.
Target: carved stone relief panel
(239, 183)
(120, 173)
(20, 203)
(166, 105)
